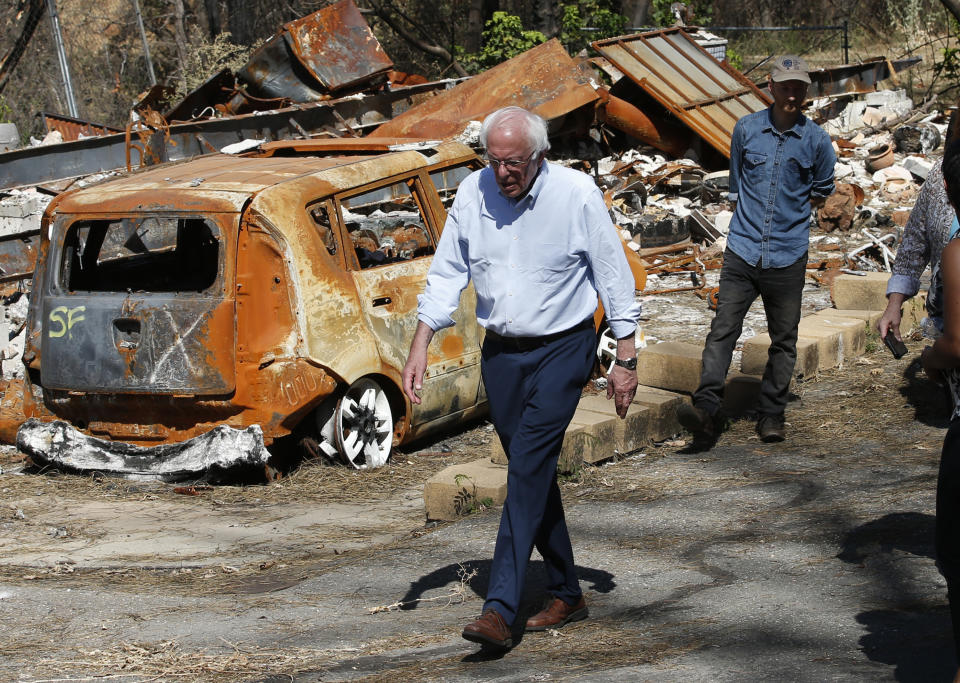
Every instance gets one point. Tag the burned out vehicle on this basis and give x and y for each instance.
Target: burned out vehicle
(186, 317)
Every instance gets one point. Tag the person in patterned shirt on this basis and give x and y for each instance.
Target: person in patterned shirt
(926, 234)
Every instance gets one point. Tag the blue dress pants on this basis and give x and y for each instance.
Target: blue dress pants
(532, 397)
(781, 290)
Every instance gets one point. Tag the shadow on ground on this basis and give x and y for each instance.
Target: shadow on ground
(596, 580)
(931, 403)
(913, 636)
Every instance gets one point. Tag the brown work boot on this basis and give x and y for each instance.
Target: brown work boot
(704, 426)
(556, 614)
(489, 630)
(770, 428)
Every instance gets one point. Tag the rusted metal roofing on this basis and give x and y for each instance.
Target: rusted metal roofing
(72, 129)
(706, 95)
(337, 46)
(856, 78)
(34, 165)
(225, 183)
(544, 80)
(321, 53)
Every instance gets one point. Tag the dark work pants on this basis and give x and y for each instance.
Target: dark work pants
(780, 290)
(533, 396)
(948, 524)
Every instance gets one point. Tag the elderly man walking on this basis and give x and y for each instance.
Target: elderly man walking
(537, 242)
(781, 163)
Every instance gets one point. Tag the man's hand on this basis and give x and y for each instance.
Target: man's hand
(892, 314)
(413, 375)
(621, 387)
(416, 364)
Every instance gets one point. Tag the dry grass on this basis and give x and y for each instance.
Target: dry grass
(169, 661)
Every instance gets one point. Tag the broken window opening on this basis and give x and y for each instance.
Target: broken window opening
(386, 225)
(149, 254)
(321, 219)
(447, 181)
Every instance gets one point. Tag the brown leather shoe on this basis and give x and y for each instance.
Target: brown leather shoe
(556, 614)
(490, 630)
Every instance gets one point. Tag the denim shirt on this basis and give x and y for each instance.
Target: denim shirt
(773, 176)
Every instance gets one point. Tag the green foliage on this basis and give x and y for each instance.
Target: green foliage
(466, 502)
(503, 38)
(949, 67)
(734, 58)
(576, 16)
(6, 111)
(702, 11)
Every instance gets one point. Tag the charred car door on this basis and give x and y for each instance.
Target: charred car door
(137, 304)
(390, 241)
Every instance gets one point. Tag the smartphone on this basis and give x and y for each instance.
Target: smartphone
(897, 347)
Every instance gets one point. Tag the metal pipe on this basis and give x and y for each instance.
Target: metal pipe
(62, 58)
(774, 28)
(146, 47)
(626, 117)
(846, 43)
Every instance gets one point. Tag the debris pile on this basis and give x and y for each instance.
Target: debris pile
(656, 139)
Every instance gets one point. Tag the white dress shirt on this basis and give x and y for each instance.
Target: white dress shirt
(537, 263)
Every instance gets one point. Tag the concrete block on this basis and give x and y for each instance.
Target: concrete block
(613, 435)
(753, 360)
(663, 407)
(585, 440)
(593, 442)
(670, 365)
(838, 338)
(740, 394)
(497, 455)
(454, 491)
(19, 206)
(15, 226)
(869, 318)
(918, 166)
(860, 292)
(575, 444)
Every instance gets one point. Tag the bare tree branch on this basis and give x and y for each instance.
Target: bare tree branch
(435, 50)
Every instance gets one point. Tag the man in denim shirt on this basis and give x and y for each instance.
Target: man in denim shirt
(781, 163)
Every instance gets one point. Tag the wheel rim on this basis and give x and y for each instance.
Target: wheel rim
(607, 347)
(364, 425)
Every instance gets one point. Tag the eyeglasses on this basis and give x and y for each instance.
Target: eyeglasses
(511, 164)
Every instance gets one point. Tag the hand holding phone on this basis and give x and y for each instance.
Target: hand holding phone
(897, 347)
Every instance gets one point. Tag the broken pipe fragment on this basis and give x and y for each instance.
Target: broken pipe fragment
(629, 119)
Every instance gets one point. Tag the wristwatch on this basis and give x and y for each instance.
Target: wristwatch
(628, 363)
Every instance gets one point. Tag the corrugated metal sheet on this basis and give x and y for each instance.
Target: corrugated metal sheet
(706, 95)
(856, 78)
(72, 129)
(337, 46)
(543, 80)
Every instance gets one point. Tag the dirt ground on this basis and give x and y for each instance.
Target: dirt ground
(807, 560)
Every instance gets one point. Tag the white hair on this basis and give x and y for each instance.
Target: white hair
(533, 127)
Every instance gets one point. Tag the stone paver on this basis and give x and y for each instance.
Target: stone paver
(858, 292)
